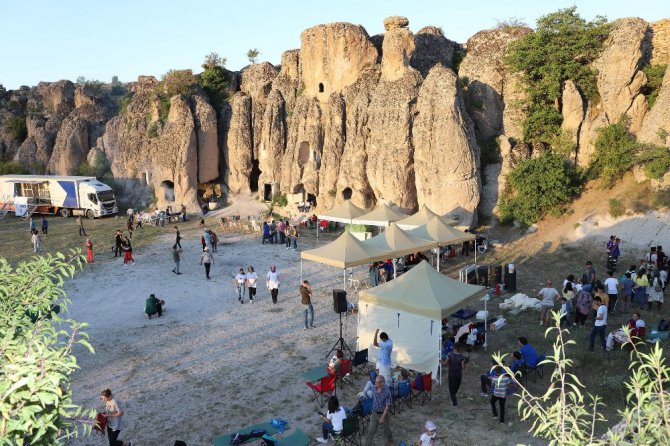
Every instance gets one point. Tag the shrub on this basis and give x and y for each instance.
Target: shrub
(16, 126)
(617, 208)
(538, 185)
(657, 163)
(176, 82)
(279, 200)
(615, 152)
(12, 168)
(562, 47)
(654, 75)
(152, 131)
(124, 102)
(215, 82)
(84, 169)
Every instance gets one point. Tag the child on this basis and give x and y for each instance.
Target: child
(89, 251)
(36, 239)
(428, 437)
(565, 311)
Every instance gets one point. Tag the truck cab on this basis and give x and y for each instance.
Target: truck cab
(96, 199)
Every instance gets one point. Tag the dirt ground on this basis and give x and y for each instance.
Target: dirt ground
(211, 365)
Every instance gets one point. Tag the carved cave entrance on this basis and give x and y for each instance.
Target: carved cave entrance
(321, 88)
(303, 153)
(346, 193)
(311, 198)
(254, 175)
(168, 190)
(267, 192)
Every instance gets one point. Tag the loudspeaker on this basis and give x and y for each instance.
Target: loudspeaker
(483, 275)
(340, 301)
(510, 279)
(497, 274)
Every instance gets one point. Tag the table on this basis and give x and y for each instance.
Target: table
(314, 375)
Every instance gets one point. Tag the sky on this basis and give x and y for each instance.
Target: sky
(49, 40)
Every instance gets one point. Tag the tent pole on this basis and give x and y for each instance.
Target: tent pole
(439, 356)
(486, 328)
(344, 278)
(395, 271)
(317, 228)
(438, 258)
(475, 251)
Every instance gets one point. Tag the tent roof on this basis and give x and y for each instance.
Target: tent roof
(382, 215)
(437, 231)
(399, 241)
(423, 291)
(343, 213)
(421, 218)
(344, 252)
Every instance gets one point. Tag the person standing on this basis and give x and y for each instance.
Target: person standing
(215, 241)
(456, 364)
(89, 250)
(382, 402)
(583, 302)
(114, 415)
(208, 238)
(612, 286)
(177, 240)
(374, 274)
(207, 260)
(294, 237)
(501, 386)
(118, 238)
(266, 233)
(183, 213)
(129, 226)
(287, 235)
(36, 239)
(590, 275)
(31, 224)
(306, 300)
(281, 229)
(240, 282)
(385, 345)
(80, 223)
(272, 283)
(640, 288)
(252, 280)
(176, 257)
(616, 253)
(127, 248)
(548, 295)
(45, 226)
(609, 248)
(599, 326)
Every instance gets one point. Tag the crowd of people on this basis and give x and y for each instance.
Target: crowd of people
(280, 232)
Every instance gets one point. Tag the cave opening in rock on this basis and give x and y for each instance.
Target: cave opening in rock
(346, 193)
(303, 153)
(168, 190)
(311, 198)
(320, 87)
(254, 176)
(267, 192)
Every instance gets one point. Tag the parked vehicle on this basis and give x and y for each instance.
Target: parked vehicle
(50, 194)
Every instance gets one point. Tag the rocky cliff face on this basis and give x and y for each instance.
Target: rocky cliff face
(345, 116)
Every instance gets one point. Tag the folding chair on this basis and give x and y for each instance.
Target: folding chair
(360, 362)
(402, 397)
(364, 414)
(323, 389)
(536, 371)
(350, 432)
(423, 388)
(345, 370)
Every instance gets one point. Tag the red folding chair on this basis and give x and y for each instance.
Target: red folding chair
(323, 389)
(424, 388)
(345, 370)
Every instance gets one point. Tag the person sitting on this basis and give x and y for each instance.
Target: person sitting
(153, 305)
(335, 363)
(517, 364)
(528, 352)
(403, 377)
(636, 332)
(332, 420)
(448, 347)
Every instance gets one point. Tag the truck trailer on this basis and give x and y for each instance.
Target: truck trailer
(49, 194)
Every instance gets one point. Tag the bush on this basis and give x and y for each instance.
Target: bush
(537, 186)
(124, 102)
(655, 75)
(617, 208)
(12, 168)
(84, 170)
(562, 47)
(16, 126)
(656, 161)
(279, 200)
(615, 152)
(152, 131)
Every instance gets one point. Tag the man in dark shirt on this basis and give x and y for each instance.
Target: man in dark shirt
(381, 406)
(456, 364)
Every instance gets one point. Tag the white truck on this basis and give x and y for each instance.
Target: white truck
(49, 194)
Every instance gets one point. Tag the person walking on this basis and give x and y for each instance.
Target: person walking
(456, 364)
(501, 386)
(240, 282)
(382, 401)
(45, 226)
(306, 300)
(272, 283)
(177, 240)
(118, 238)
(176, 257)
(183, 213)
(89, 250)
(129, 226)
(114, 415)
(127, 248)
(252, 280)
(287, 235)
(599, 326)
(612, 286)
(80, 223)
(208, 238)
(548, 295)
(36, 239)
(385, 345)
(294, 237)
(206, 259)
(215, 241)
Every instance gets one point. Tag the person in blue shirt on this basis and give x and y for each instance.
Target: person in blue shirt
(385, 345)
(45, 225)
(528, 352)
(448, 347)
(266, 232)
(627, 285)
(517, 364)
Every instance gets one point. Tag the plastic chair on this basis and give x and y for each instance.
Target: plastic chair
(323, 389)
(360, 362)
(423, 389)
(345, 370)
(402, 397)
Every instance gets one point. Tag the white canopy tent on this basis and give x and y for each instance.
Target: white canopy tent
(382, 215)
(442, 234)
(421, 218)
(400, 242)
(410, 310)
(343, 213)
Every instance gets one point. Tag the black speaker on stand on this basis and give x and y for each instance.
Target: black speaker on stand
(340, 306)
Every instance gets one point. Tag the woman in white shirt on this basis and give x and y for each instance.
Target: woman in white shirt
(252, 278)
(333, 420)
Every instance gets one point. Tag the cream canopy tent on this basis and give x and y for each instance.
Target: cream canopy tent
(399, 242)
(343, 213)
(421, 218)
(410, 310)
(382, 215)
(442, 234)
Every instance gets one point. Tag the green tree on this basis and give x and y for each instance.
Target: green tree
(537, 186)
(16, 126)
(252, 55)
(615, 152)
(655, 74)
(561, 48)
(214, 79)
(36, 360)
(214, 60)
(176, 82)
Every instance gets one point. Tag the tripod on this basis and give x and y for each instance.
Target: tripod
(341, 343)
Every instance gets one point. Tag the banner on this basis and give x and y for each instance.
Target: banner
(20, 206)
